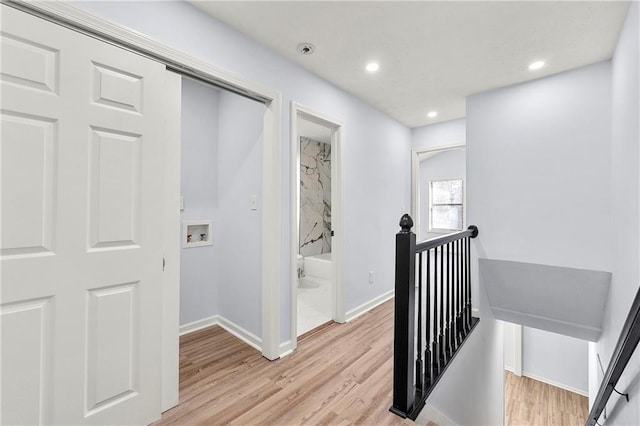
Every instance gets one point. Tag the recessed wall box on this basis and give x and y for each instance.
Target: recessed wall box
(196, 233)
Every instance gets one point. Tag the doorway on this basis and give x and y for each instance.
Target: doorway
(221, 211)
(546, 376)
(317, 289)
(438, 190)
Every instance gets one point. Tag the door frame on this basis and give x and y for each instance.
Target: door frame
(299, 110)
(415, 177)
(177, 61)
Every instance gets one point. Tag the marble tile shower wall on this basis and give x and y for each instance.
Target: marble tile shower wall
(315, 197)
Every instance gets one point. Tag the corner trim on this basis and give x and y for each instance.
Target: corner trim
(286, 348)
(233, 328)
(198, 325)
(242, 334)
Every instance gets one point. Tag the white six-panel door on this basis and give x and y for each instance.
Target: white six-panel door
(81, 228)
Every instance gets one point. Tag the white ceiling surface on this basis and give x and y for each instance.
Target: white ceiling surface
(431, 54)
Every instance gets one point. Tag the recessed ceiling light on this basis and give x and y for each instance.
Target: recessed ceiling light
(536, 65)
(372, 66)
(432, 114)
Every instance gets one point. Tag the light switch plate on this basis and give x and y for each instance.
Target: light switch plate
(254, 202)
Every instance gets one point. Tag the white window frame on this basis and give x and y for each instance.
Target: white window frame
(463, 204)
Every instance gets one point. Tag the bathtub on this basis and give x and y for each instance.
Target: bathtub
(318, 266)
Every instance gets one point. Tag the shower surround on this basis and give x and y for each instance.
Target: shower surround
(315, 197)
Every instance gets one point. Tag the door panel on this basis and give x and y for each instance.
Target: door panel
(82, 197)
(112, 358)
(26, 348)
(114, 194)
(28, 147)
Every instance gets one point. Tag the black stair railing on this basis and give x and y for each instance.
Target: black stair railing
(432, 318)
(627, 343)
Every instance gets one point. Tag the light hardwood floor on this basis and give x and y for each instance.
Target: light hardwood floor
(340, 374)
(530, 402)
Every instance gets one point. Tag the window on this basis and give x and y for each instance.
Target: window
(446, 205)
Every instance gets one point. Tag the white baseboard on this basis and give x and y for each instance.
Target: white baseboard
(198, 325)
(233, 328)
(556, 384)
(256, 342)
(242, 334)
(286, 348)
(356, 312)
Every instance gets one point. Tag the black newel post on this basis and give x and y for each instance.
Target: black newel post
(404, 317)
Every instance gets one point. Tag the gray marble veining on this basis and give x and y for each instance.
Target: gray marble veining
(315, 197)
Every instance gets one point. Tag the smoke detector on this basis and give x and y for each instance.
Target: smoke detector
(306, 48)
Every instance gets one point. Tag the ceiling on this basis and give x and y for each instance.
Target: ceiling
(431, 54)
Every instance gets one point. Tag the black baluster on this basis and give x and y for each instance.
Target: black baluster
(419, 364)
(468, 285)
(459, 327)
(435, 348)
(427, 326)
(450, 299)
(456, 296)
(442, 295)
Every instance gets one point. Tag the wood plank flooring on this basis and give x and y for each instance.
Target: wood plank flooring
(341, 374)
(530, 402)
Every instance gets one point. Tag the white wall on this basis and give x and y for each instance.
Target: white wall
(444, 165)
(376, 147)
(239, 245)
(451, 132)
(555, 359)
(199, 187)
(539, 155)
(530, 148)
(471, 392)
(625, 228)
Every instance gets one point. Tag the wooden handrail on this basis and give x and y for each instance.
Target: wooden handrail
(470, 232)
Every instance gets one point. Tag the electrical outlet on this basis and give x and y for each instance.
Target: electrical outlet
(371, 277)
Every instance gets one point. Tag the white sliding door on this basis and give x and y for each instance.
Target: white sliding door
(82, 220)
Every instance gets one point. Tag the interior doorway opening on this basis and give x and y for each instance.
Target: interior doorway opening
(438, 190)
(314, 262)
(221, 211)
(546, 376)
(317, 292)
